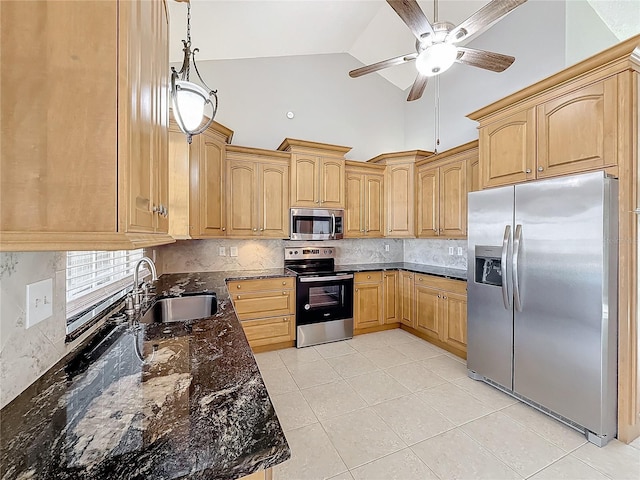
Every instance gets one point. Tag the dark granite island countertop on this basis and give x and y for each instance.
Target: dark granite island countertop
(178, 400)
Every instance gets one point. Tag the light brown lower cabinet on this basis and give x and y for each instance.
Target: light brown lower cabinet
(266, 309)
(390, 290)
(406, 298)
(261, 475)
(441, 312)
(368, 300)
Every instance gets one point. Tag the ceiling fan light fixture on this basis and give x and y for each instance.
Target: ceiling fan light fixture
(436, 59)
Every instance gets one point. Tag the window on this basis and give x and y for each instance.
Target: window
(93, 277)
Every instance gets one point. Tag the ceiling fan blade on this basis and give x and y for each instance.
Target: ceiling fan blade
(374, 67)
(484, 17)
(496, 62)
(418, 87)
(411, 14)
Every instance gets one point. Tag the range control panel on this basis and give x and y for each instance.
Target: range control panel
(308, 253)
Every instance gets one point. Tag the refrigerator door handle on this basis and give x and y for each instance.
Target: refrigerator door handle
(506, 295)
(516, 279)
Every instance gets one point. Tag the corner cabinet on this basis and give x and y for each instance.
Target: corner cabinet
(91, 172)
(399, 186)
(197, 182)
(317, 173)
(364, 200)
(442, 183)
(257, 193)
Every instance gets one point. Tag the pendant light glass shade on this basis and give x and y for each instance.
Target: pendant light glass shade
(436, 59)
(189, 100)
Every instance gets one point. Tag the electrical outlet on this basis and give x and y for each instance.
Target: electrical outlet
(233, 251)
(222, 251)
(39, 301)
(450, 250)
(459, 251)
(386, 248)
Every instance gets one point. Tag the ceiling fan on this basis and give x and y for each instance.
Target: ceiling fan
(436, 48)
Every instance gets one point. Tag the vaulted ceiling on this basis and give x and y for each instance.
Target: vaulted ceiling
(369, 30)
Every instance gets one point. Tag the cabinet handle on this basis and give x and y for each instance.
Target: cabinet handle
(528, 170)
(284, 283)
(540, 169)
(356, 289)
(368, 276)
(238, 297)
(420, 279)
(444, 296)
(262, 229)
(238, 287)
(156, 209)
(224, 228)
(284, 293)
(285, 319)
(439, 296)
(255, 229)
(317, 201)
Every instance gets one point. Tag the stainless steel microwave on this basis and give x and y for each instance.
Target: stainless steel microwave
(316, 224)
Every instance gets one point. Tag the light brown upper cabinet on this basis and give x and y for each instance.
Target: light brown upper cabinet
(257, 193)
(568, 129)
(84, 160)
(317, 173)
(197, 182)
(365, 200)
(441, 192)
(399, 182)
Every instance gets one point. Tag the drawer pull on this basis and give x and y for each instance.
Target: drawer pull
(238, 297)
(285, 320)
(238, 287)
(284, 283)
(439, 296)
(444, 296)
(284, 293)
(368, 276)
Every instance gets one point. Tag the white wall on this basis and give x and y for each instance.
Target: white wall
(533, 33)
(329, 106)
(582, 18)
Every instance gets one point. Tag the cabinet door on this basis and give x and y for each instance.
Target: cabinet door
(367, 305)
(263, 304)
(578, 131)
(454, 319)
(391, 297)
(242, 198)
(406, 298)
(179, 226)
(136, 97)
(160, 86)
(428, 311)
(374, 205)
(207, 197)
(305, 181)
(354, 213)
(453, 199)
(474, 175)
(508, 150)
(428, 202)
(400, 200)
(331, 183)
(273, 200)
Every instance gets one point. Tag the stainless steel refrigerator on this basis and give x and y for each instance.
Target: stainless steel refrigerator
(542, 297)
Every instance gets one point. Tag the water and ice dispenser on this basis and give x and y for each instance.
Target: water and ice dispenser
(488, 265)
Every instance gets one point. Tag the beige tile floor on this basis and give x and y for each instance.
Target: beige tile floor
(389, 405)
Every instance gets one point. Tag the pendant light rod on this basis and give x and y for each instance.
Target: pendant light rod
(190, 99)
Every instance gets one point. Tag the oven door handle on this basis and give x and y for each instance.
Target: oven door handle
(325, 279)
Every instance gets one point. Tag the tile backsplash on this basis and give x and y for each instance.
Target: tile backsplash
(436, 252)
(26, 353)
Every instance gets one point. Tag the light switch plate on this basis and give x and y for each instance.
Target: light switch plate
(222, 251)
(233, 251)
(39, 301)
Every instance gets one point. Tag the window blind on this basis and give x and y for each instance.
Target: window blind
(93, 276)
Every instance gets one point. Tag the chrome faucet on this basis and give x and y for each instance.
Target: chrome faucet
(136, 289)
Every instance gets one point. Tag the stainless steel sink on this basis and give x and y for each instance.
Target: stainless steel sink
(180, 309)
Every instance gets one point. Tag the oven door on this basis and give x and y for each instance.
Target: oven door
(316, 224)
(324, 298)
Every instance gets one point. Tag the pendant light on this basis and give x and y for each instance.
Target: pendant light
(189, 99)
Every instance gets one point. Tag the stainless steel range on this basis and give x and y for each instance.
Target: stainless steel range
(324, 297)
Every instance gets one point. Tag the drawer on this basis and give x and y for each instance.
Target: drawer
(454, 286)
(259, 284)
(368, 277)
(263, 304)
(265, 331)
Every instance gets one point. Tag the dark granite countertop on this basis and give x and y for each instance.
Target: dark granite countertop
(446, 272)
(178, 400)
